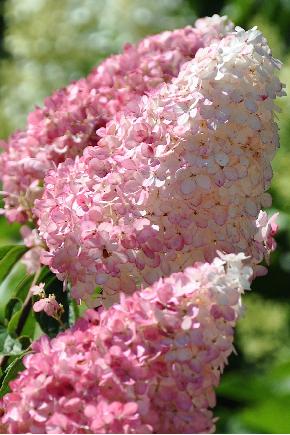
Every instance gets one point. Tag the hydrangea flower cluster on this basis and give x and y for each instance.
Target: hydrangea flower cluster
(47, 304)
(169, 185)
(147, 365)
(151, 171)
(71, 116)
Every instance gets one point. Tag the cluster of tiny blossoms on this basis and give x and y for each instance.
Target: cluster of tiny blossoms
(47, 304)
(173, 183)
(70, 117)
(147, 365)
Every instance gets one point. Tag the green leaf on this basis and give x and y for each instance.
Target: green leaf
(45, 274)
(13, 323)
(21, 291)
(15, 346)
(3, 336)
(25, 342)
(12, 306)
(12, 346)
(10, 259)
(31, 327)
(23, 287)
(8, 288)
(14, 310)
(10, 373)
(4, 250)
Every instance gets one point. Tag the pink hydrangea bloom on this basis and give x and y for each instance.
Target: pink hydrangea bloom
(267, 229)
(264, 238)
(49, 305)
(31, 258)
(170, 185)
(38, 289)
(70, 117)
(147, 365)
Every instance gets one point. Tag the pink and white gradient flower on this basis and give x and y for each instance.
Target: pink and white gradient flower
(147, 365)
(70, 117)
(38, 289)
(49, 305)
(267, 229)
(172, 184)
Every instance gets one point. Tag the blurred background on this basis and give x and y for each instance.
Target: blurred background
(44, 44)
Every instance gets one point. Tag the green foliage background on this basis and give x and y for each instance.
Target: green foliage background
(44, 44)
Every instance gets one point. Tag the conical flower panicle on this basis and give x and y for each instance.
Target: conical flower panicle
(70, 117)
(184, 177)
(147, 365)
